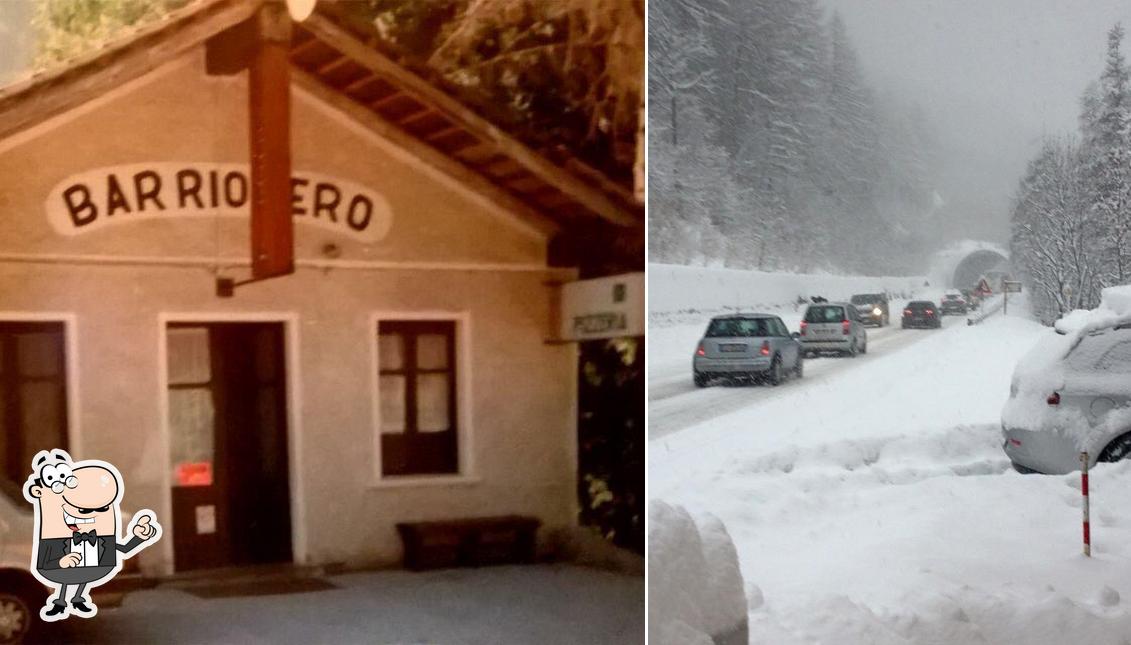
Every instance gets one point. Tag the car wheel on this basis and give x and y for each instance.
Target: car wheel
(1118, 449)
(799, 369)
(20, 601)
(775, 376)
(15, 617)
(700, 380)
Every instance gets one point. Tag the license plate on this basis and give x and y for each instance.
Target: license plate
(732, 347)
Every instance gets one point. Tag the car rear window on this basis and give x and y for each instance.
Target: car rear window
(824, 314)
(1104, 351)
(738, 327)
(920, 305)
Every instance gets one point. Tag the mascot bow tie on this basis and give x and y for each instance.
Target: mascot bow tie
(78, 536)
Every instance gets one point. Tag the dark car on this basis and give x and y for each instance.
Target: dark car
(922, 314)
(872, 308)
(953, 303)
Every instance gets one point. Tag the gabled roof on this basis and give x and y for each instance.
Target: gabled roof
(337, 66)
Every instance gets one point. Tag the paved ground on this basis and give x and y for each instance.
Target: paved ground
(513, 604)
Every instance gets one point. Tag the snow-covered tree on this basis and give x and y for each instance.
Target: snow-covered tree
(1106, 124)
(791, 161)
(1056, 237)
(1072, 213)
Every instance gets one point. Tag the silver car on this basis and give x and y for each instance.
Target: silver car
(833, 327)
(749, 346)
(1071, 394)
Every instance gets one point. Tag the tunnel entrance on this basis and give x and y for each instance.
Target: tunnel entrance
(990, 264)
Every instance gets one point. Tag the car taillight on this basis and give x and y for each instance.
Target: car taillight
(701, 351)
(804, 326)
(907, 312)
(1015, 442)
(1054, 398)
(930, 311)
(765, 348)
(844, 326)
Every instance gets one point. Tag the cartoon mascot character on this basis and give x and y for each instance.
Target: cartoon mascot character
(77, 525)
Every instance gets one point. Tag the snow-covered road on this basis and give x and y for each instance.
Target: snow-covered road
(873, 504)
(674, 403)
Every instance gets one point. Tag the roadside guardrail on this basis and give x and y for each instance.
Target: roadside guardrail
(989, 307)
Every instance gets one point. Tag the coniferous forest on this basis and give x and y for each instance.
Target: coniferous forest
(770, 150)
(1072, 211)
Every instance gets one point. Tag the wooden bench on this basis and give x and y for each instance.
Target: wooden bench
(470, 542)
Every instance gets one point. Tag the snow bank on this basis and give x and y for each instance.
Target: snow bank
(676, 289)
(695, 585)
(903, 523)
(876, 505)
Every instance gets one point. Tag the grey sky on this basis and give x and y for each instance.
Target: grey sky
(993, 76)
(15, 38)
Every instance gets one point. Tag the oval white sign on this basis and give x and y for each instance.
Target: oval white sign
(113, 195)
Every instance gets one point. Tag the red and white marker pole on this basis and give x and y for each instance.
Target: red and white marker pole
(1084, 490)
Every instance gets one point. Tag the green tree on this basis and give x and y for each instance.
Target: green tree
(568, 71)
(68, 28)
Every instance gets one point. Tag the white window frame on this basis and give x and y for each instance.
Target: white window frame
(466, 473)
(300, 550)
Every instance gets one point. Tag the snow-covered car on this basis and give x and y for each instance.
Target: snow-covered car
(953, 303)
(921, 313)
(1072, 394)
(758, 347)
(21, 595)
(872, 307)
(833, 327)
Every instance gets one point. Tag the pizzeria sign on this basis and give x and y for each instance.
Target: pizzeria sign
(608, 307)
(109, 196)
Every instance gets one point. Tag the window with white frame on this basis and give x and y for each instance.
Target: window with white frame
(417, 394)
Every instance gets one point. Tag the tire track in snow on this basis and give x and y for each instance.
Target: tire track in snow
(687, 405)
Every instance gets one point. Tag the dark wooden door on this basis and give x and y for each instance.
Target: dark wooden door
(239, 512)
(33, 397)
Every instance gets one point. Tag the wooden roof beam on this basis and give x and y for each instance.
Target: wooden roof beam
(440, 134)
(359, 83)
(417, 116)
(524, 213)
(593, 199)
(333, 65)
(386, 101)
(304, 47)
